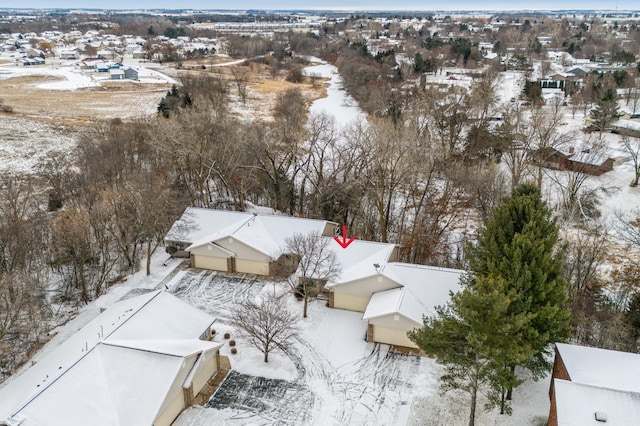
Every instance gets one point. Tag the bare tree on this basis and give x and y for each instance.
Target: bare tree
(317, 263)
(578, 200)
(267, 324)
(633, 149)
(240, 78)
(627, 226)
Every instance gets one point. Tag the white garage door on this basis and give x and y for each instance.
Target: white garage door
(209, 262)
(252, 267)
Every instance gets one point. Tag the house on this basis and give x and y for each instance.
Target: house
(591, 386)
(361, 263)
(142, 361)
(131, 74)
(392, 313)
(72, 53)
(581, 160)
(100, 66)
(392, 296)
(116, 74)
(231, 241)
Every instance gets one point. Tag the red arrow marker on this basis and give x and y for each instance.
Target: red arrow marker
(344, 243)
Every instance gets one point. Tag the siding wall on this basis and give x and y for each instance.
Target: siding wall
(172, 410)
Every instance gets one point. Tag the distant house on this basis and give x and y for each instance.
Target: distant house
(69, 54)
(141, 362)
(231, 241)
(582, 161)
(591, 386)
(26, 62)
(131, 74)
(116, 74)
(101, 66)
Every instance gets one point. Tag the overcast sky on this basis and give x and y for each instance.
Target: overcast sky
(334, 4)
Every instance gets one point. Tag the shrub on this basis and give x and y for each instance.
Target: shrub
(295, 75)
(227, 335)
(232, 342)
(234, 351)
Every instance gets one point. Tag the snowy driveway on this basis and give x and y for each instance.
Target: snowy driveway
(332, 377)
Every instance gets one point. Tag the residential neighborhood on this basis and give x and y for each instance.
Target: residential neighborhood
(334, 216)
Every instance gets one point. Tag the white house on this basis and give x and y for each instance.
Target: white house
(231, 241)
(141, 362)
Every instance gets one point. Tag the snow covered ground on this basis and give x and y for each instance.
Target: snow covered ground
(338, 102)
(25, 143)
(333, 377)
(68, 78)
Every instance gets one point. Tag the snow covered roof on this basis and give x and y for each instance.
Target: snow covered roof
(577, 405)
(358, 259)
(265, 233)
(121, 364)
(423, 289)
(601, 367)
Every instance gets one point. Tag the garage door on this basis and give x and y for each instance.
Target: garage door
(209, 262)
(392, 336)
(252, 267)
(350, 302)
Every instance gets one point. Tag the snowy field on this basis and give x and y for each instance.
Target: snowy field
(69, 78)
(333, 377)
(24, 144)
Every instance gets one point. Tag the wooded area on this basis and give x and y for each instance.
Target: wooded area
(428, 168)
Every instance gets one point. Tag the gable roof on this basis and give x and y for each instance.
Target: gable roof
(424, 288)
(601, 367)
(577, 403)
(358, 259)
(264, 233)
(133, 351)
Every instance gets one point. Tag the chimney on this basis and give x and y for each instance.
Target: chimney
(571, 150)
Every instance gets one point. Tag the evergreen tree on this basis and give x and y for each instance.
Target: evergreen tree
(473, 337)
(606, 110)
(419, 65)
(517, 245)
(633, 319)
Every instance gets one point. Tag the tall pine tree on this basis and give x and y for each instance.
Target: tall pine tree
(606, 110)
(518, 245)
(473, 337)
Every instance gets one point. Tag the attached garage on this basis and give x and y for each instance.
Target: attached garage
(391, 336)
(355, 295)
(211, 256)
(252, 266)
(247, 259)
(206, 262)
(350, 302)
